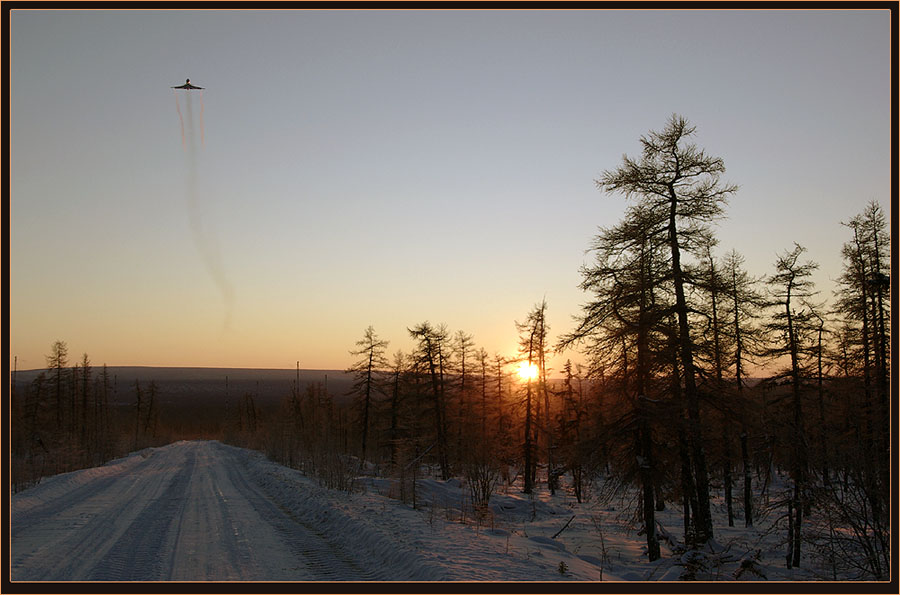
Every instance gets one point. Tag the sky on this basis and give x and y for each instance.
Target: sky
(388, 167)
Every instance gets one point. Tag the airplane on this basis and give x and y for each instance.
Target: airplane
(187, 85)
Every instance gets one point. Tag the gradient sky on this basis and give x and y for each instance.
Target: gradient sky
(390, 167)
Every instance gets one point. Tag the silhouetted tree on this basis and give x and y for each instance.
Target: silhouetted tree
(676, 180)
(713, 349)
(625, 332)
(397, 371)
(85, 394)
(463, 351)
(104, 429)
(859, 499)
(532, 346)
(431, 352)
(861, 300)
(573, 432)
(366, 372)
(790, 286)
(56, 363)
(38, 420)
(744, 304)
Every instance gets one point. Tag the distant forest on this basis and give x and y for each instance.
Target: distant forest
(662, 408)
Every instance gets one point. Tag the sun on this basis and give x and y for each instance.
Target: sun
(527, 371)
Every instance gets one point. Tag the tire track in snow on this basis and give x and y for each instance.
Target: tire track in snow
(209, 541)
(187, 511)
(63, 538)
(139, 555)
(47, 510)
(324, 559)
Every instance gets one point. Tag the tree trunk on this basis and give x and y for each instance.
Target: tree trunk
(368, 395)
(529, 477)
(726, 473)
(746, 463)
(799, 440)
(648, 490)
(703, 518)
(395, 413)
(748, 491)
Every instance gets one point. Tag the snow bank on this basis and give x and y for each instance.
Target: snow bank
(56, 486)
(436, 542)
(322, 510)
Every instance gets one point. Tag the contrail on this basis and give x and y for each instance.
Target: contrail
(190, 119)
(204, 240)
(180, 119)
(202, 136)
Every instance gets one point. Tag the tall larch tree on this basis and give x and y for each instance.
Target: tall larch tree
(676, 179)
(621, 326)
(366, 373)
(431, 355)
(790, 285)
(532, 343)
(744, 305)
(56, 364)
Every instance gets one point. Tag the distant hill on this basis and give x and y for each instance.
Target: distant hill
(207, 385)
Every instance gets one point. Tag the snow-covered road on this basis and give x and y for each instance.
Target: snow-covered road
(207, 511)
(188, 511)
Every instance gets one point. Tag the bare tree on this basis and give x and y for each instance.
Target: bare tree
(56, 363)
(859, 500)
(861, 300)
(431, 353)
(744, 306)
(397, 370)
(104, 428)
(625, 327)
(714, 349)
(532, 341)
(366, 373)
(85, 393)
(790, 285)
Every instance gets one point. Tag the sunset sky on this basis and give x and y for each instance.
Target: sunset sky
(390, 167)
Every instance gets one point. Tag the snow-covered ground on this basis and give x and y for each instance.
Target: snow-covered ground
(206, 511)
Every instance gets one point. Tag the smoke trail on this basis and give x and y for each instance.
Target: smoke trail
(202, 136)
(190, 117)
(180, 119)
(205, 240)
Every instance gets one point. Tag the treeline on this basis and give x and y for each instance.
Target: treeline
(446, 405)
(62, 421)
(74, 415)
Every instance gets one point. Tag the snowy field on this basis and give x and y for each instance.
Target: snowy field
(205, 511)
